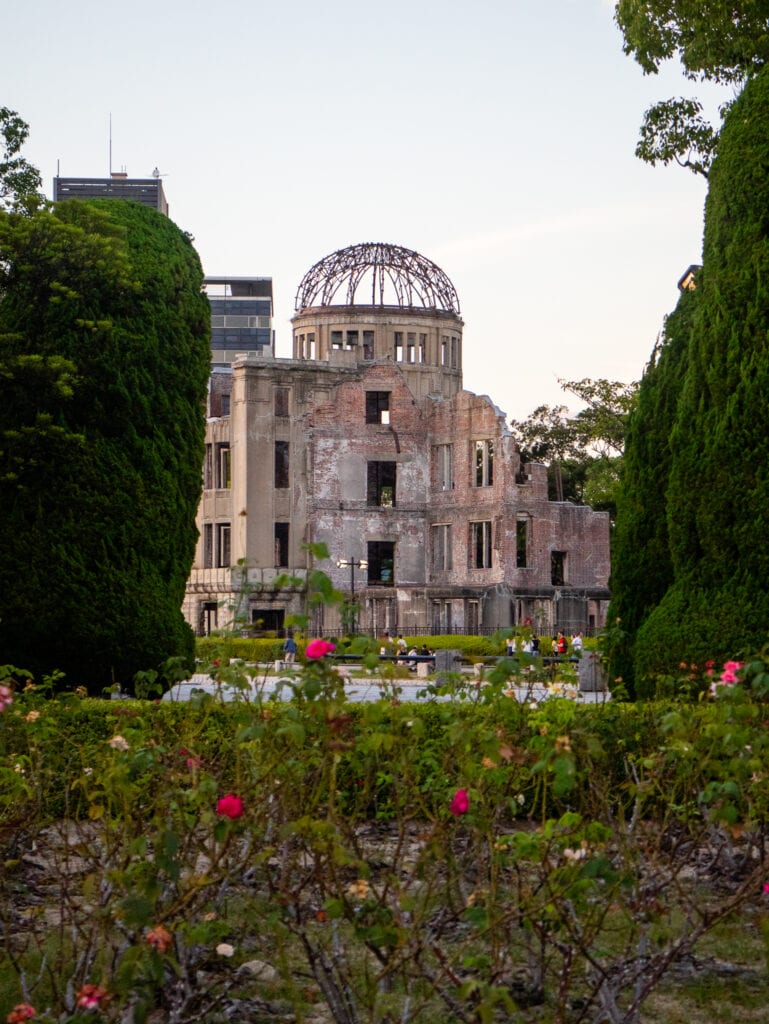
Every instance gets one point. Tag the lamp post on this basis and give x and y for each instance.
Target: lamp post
(353, 564)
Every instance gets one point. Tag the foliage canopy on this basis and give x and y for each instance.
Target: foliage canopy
(699, 445)
(105, 359)
(582, 452)
(19, 181)
(722, 41)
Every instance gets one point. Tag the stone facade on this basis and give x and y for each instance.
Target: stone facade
(366, 441)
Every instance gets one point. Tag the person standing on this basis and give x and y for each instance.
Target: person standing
(289, 649)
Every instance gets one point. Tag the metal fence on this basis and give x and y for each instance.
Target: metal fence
(417, 630)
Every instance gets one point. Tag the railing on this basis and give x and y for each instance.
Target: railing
(437, 630)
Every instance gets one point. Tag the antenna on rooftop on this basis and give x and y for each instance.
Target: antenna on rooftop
(110, 144)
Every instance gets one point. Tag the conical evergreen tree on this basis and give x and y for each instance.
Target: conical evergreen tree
(642, 568)
(99, 487)
(717, 500)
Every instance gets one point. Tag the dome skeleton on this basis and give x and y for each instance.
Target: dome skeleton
(415, 280)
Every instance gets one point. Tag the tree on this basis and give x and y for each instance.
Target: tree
(724, 41)
(583, 452)
(675, 130)
(713, 493)
(600, 427)
(641, 565)
(19, 181)
(104, 347)
(546, 436)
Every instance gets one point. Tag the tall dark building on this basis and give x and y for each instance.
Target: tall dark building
(241, 317)
(147, 191)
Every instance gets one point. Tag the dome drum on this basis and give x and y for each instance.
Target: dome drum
(409, 313)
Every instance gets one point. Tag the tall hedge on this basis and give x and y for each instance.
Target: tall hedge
(642, 567)
(100, 475)
(717, 498)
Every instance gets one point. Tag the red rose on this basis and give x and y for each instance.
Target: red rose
(230, 806)
(318, 648)
(461, 803)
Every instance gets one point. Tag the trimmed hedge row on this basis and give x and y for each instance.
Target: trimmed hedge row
(266, 649)
(596, 747)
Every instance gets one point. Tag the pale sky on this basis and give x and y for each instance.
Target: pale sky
(495, 137)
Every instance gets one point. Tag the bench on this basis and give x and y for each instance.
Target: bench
(411, 658)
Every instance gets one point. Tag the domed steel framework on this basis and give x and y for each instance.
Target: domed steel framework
(389, 270)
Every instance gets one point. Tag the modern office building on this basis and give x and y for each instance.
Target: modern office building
(241, 317)
(147, 191)
(366, 440)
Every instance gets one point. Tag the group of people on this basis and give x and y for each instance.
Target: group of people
(531, 645)
(559, 645)
(406, 654)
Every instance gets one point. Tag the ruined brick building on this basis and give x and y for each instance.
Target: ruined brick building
(366, 440)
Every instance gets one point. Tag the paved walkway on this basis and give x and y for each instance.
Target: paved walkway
(357, 689)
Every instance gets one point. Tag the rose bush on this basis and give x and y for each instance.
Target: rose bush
(586, 836)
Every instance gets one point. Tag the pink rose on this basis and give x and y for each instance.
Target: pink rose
(91, 997)
(230, 806)
(728, 676)
(21, 1013)
(159, 938)
(319, 648)
(460, 804)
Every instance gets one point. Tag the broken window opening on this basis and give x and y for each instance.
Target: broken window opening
(381, 484)
(521, 543)
(399, 346)
(223, 557)
(208, 468)
(557, 568)
(442, 617)
(223, 467)
(480, 545)
(281, 464)
(411, 347)
(472, 617)
(444, 467)
(377, 407)
(209, 614)
(484, 463)
(267, 621)
(281, 545)
(381, 563)
(442, 556)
